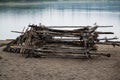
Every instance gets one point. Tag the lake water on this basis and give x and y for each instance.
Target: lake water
(17, 16)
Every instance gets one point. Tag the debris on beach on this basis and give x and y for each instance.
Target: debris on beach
(40, 40)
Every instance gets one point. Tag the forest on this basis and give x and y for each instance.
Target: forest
(24, 0)
(49, 0)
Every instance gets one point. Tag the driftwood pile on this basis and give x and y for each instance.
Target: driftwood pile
(46, 41)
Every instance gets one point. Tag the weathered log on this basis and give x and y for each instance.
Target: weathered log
(108, 43)
(107, 39)
(17, 32)
(49, 52)
(67, 26)
(104, 32)
(103, 26)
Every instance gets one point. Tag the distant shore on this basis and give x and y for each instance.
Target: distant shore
(45, 2)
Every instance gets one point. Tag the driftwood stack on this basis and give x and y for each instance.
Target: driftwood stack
(46, 41)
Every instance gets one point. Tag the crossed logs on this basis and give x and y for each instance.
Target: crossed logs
(46, 41)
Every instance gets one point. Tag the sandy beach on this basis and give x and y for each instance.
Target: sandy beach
(14, 66)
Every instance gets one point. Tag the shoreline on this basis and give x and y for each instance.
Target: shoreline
(51, 2)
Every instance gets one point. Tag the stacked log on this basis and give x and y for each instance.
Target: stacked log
(45, 40)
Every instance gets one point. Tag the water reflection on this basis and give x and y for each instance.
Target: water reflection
(16, 16)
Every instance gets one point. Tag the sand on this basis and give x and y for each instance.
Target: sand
(14, 66)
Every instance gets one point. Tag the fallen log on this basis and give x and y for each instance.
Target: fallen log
(108, 39)
(104, 32)
(17, 32)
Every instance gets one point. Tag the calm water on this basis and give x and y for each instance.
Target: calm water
(16, 16)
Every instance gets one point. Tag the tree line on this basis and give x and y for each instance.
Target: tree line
(50, 0)
(24, 0)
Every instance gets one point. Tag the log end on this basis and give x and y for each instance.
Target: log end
(108, 55)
